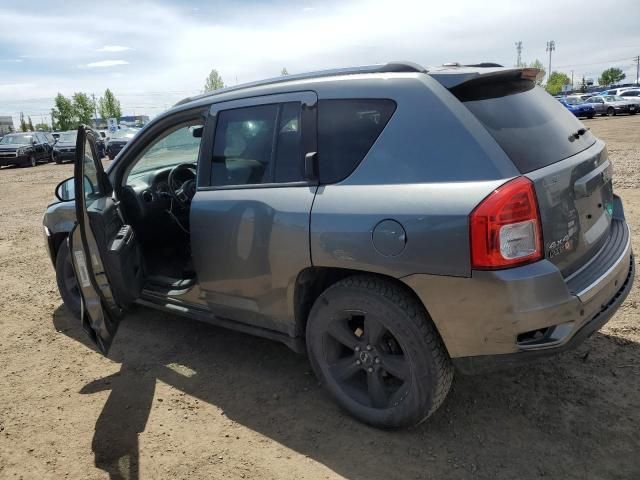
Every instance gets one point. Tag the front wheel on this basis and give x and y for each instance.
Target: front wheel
(373, 346)
(591, 115)
(66, 279)
(611, 112)
(31, 162)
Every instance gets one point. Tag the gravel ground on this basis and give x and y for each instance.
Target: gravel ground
(179, 399)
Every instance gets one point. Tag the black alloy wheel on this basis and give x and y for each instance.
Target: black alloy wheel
(374, 347)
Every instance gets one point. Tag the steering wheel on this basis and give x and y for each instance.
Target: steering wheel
(182, 183)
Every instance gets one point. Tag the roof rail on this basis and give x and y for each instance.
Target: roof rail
(390, 67)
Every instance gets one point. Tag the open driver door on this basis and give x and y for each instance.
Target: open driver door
(105, 253)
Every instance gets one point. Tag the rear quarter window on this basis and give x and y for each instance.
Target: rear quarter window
(531, 126)
(347, 128)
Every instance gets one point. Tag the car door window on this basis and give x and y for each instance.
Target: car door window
(176, 146)
(91, 188)
(258, 145)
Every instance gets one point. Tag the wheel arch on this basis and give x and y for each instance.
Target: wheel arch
(312, 281)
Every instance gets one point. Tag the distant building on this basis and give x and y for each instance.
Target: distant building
(6, 125)
(127, 120)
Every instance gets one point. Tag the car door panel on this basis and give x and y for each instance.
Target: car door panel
(104, 251)
(250, 242)
(249, 246)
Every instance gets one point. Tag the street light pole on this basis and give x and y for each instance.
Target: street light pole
(551, 46)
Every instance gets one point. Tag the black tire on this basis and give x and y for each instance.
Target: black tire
(591, 115)
(31, 161)
(374, 347)
(611, 111)
(57, 159)
(52, 157)
(66, 279)
(633, 113)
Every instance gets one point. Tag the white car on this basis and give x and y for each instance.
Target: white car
(617, 91)
(631, 94)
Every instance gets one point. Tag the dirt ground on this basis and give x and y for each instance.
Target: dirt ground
(180, 399)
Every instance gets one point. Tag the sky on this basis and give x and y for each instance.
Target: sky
(151, 54)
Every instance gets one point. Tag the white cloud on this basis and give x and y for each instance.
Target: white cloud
(113, 48)
(248, 42)
(107, 63)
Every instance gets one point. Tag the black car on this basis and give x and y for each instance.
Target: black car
(117, 140)
(65, 148)
(26, 149)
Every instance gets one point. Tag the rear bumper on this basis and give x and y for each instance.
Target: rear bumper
(488, 363)
(506, 317)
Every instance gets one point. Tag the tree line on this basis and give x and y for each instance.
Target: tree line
(69, 112)
(557, 80)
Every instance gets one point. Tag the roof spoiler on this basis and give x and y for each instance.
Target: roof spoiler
(481, 73)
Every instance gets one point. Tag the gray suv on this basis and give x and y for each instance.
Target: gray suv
(393, 223)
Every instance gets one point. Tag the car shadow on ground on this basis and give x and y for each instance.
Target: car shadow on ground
(573, 416)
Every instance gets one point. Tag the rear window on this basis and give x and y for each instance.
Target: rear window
(346, 131)
(530, 125)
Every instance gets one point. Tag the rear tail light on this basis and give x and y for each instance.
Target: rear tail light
(505, 228)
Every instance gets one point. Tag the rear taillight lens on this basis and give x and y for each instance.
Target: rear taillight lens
(505, 228)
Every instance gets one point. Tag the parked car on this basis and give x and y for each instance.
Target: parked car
(616, 91)
(116, 141)
(581, 97)
(26, 149)
(65, 147)
(612, 105)
(631, 94)
(391, 222)
(578, 108)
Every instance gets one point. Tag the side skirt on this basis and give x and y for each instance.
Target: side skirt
(150, 299)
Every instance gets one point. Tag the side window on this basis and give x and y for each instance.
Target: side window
(40, 138)
(91, 185)
(255, 145)
(346, 131)
(172, 148)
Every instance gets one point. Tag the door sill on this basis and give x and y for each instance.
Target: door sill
(201, 313)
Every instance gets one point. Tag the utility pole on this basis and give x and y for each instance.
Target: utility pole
(95, 108)
(519, 50)
(571, 78)
(551, 46)
(637, 60)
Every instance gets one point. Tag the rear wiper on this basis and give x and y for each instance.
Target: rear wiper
(578, 134)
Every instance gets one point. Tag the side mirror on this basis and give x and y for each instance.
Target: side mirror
(65, 191)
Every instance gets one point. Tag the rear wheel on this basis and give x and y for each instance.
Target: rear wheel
(375, 349)
(66, 279)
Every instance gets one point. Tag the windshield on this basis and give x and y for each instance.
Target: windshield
(17, 139)
(68, 137)
(618, 99)
(126, 134)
